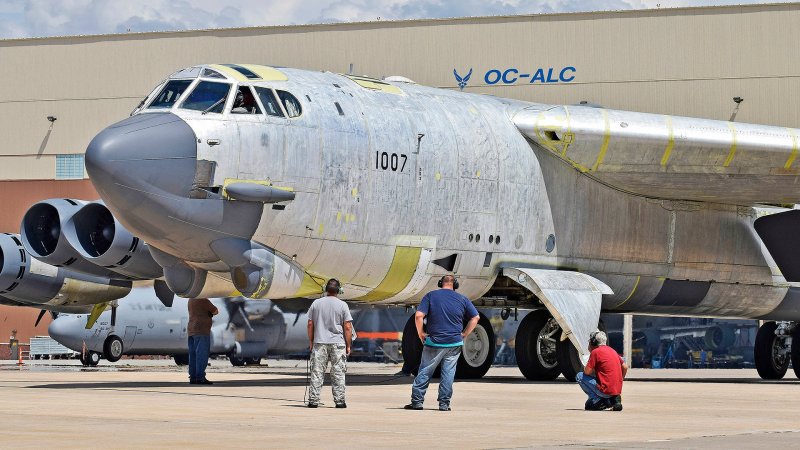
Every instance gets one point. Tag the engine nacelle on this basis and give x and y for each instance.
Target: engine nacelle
(42, 235)
(99, 238)
(27, 280)
(256, 271)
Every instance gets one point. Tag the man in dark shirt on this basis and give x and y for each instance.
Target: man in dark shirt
(602, 378)
(446, 311)
(201, 310)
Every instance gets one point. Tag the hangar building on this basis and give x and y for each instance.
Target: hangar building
(57, 93)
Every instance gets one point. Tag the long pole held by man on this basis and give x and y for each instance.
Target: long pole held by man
(330, 328)
(446, 312)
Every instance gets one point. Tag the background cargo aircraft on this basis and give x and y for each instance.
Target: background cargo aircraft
(245, 330)
(266, 181)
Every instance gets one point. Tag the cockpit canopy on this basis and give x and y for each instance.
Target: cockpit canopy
(224, 89)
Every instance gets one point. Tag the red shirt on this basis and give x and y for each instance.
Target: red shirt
(607, 365)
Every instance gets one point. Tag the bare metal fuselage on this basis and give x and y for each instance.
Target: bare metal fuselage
(395, 187)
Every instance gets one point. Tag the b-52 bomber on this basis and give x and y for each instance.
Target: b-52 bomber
(246, 179)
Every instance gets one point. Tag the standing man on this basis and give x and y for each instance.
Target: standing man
(201, 310)
(446, 311)
(330, 328)
(602, 378)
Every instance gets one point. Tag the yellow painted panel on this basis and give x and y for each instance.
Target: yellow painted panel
(376, 85)
(404, 264)
(266, 73)
(310, 286)
(606, 139)
(732, 152)
(670, 142)
(793, 155)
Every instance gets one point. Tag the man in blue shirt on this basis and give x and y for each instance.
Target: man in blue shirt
(446, 311)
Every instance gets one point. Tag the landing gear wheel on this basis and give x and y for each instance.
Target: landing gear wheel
(255, 360)
(113, 349)
(91, 359)
(771, 361)
(412, 347)
(569, 361)
(536, 341)
(477, 354)
(236, 360)
(181, 360)
(796, 351)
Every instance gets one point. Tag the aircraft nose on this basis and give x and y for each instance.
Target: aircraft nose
(66, 331)
(146, 153)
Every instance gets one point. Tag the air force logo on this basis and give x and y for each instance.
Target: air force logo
(462, 81)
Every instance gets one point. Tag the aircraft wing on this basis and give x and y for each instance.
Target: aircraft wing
(671, 157)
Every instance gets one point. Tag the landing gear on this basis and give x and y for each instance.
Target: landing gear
(536, 341)
(476, 358)
(237, 360)
(91, 359)
(541, 354)
(796, 351)
(477, 354)
(181, 360)
(113, 348)
(569, 361)
(771, 352)
(412, 347)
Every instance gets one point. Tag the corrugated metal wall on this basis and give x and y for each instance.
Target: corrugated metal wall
(677, 61)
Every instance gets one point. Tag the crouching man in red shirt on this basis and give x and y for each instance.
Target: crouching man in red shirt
(602, 377)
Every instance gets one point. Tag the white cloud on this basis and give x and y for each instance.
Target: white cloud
(67, 17)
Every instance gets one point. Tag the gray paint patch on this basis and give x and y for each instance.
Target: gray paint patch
(681, 293)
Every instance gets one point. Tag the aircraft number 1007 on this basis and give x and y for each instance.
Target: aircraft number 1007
(395, 162)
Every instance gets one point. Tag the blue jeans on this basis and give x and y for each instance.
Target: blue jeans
(431, 357)
(199, 346)
(589, 385)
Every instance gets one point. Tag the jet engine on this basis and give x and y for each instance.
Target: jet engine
(100, 239)
(42, 236)
(256, 271)
(27, 280)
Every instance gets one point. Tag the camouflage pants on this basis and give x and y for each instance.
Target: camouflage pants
(322, 353)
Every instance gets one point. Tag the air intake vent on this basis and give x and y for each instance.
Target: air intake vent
(447, 263)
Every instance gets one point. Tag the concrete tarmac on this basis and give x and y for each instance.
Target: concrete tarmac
(137, 404)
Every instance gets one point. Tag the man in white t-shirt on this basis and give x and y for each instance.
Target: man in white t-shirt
(330, 328)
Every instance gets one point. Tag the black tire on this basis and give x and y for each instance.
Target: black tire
(480, 343)
(796, 351)
(113, 349)
(255, 360)
(768, 366)
(181, 360)
(412, 347)
(569, 361)
(92, 359)
(533, 365)
(236, 360)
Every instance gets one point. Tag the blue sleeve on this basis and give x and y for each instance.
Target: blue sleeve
(425, 304)
(470, 309)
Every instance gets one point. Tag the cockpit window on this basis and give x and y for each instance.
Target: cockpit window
(269, 101)
(210, 73)
(208, 96)
(169, 94)
(245, 102)
(290, 103)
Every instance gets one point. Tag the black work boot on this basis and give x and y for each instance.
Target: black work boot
(616, 403)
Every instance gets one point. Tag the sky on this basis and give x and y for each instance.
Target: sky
(40, 18)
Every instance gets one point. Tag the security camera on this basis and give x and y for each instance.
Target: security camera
(738, 100)
(52, 118)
